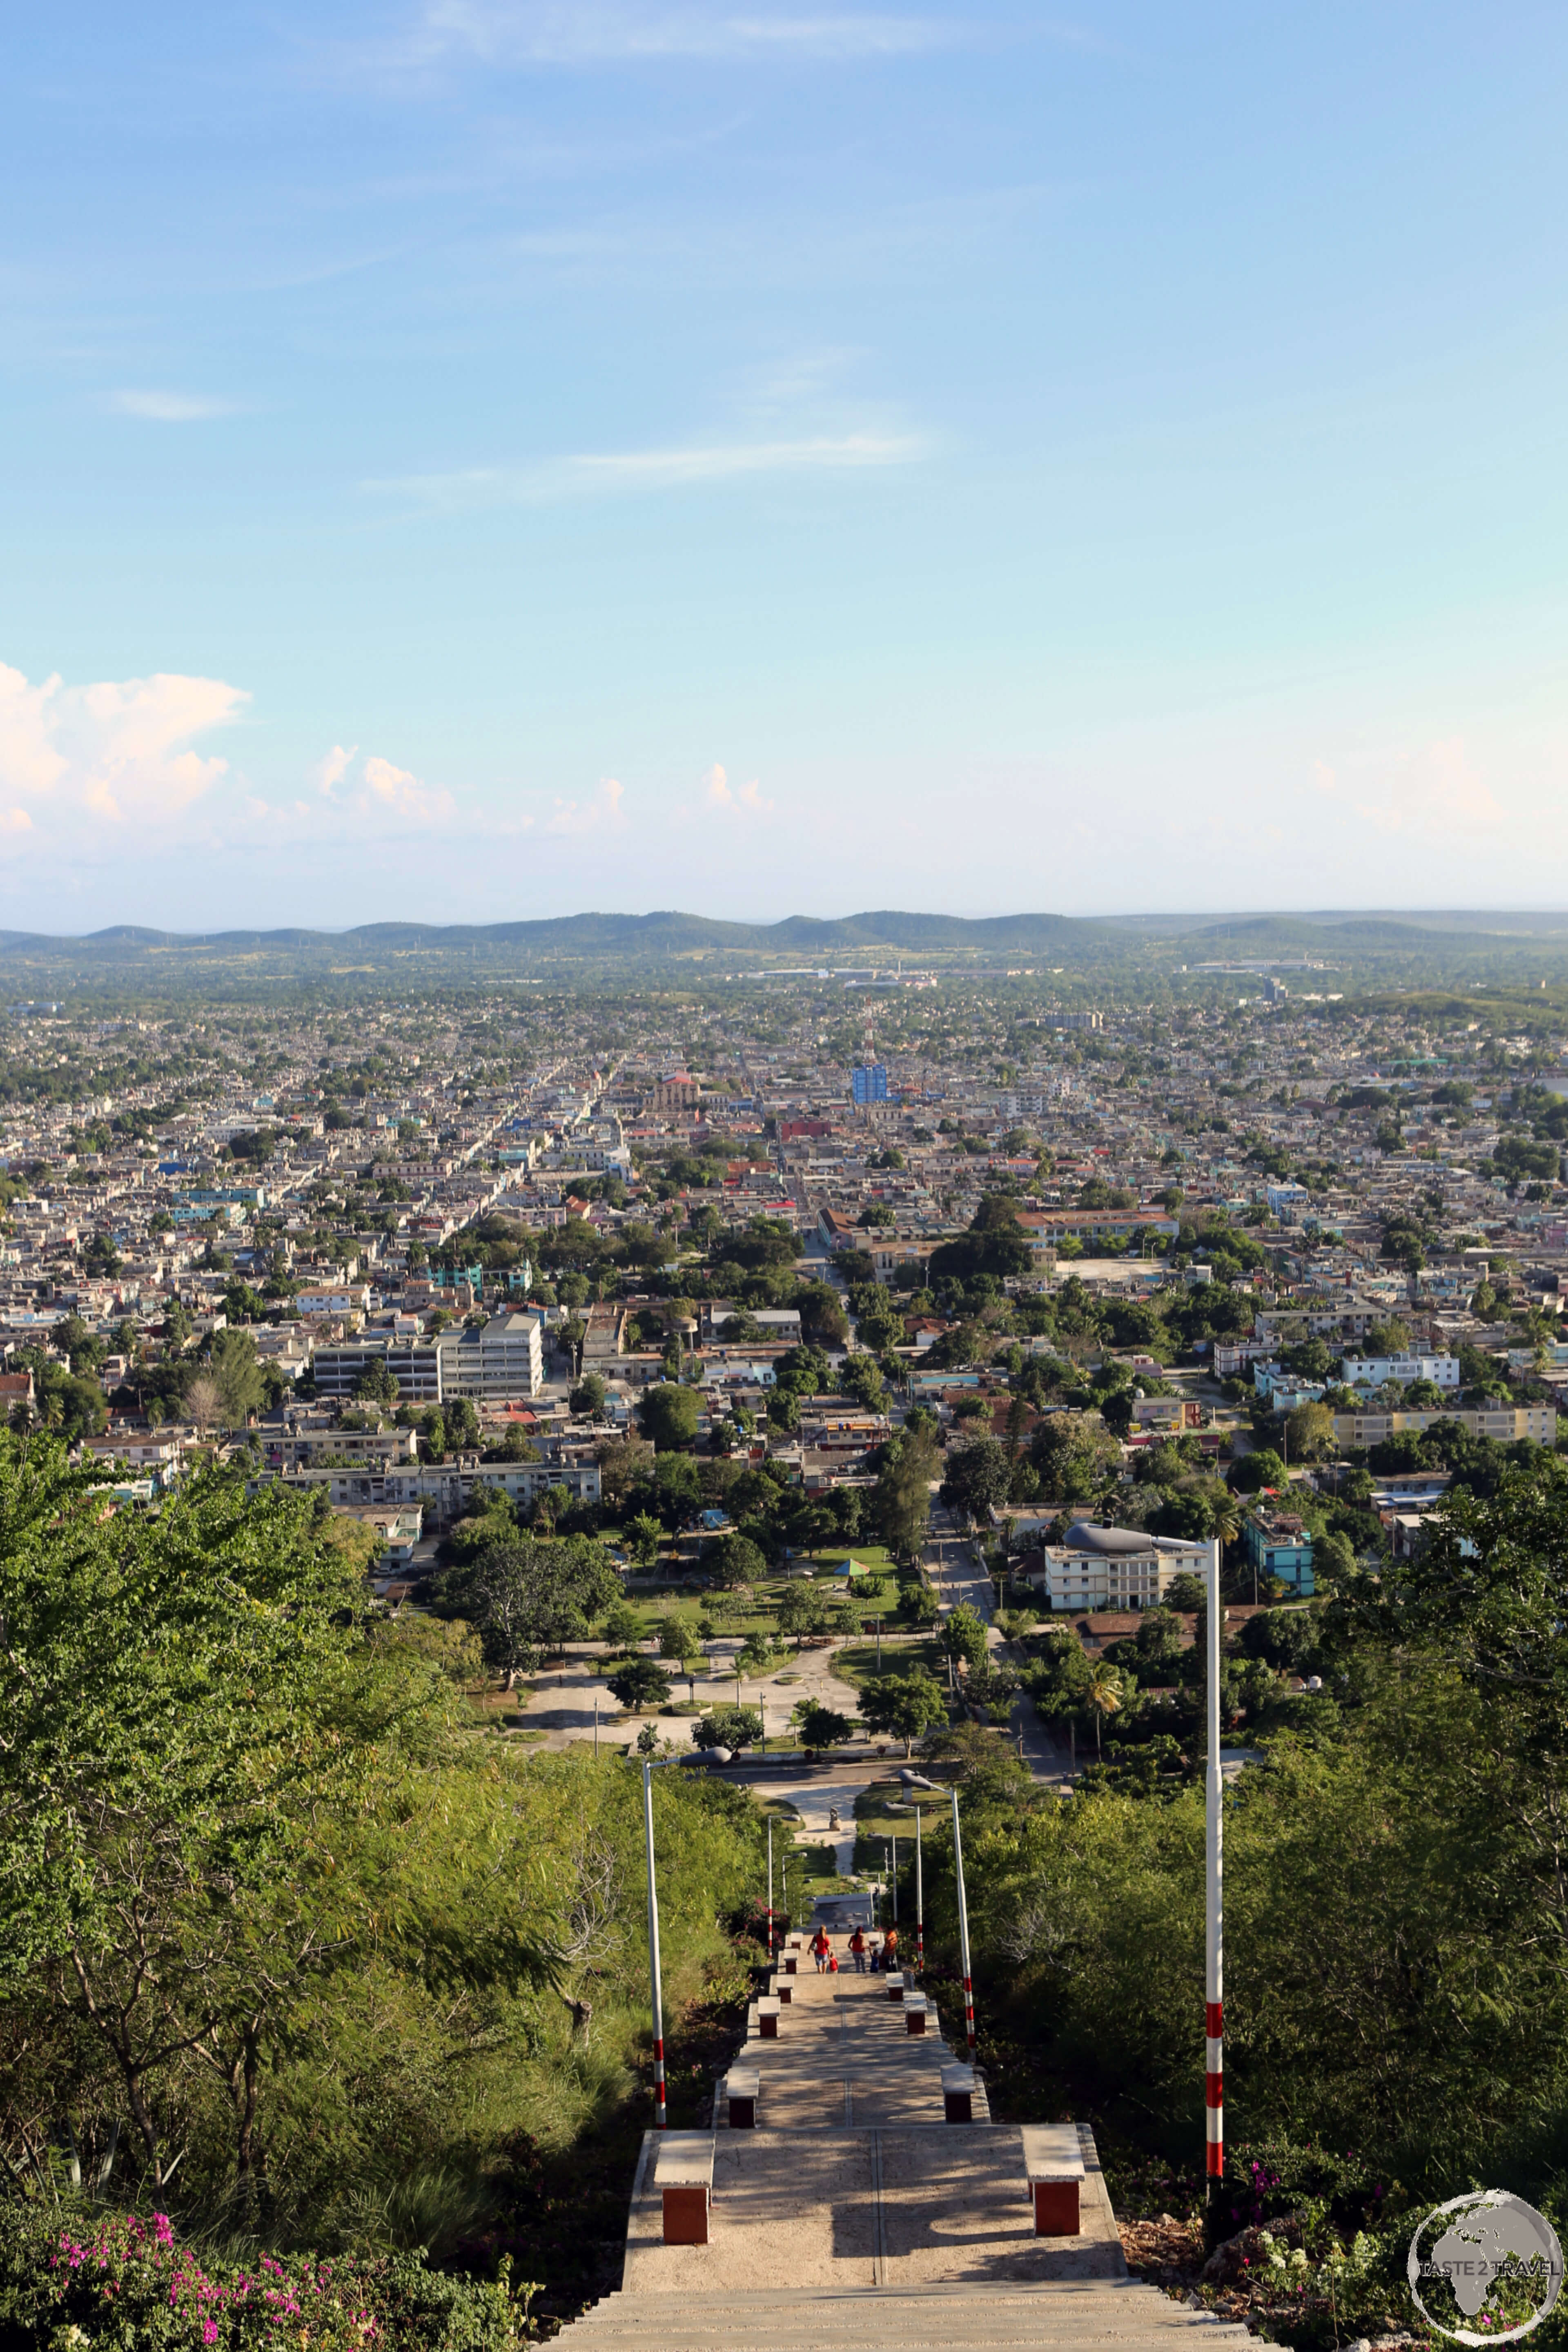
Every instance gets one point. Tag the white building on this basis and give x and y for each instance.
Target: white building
(1116, 1568)
(503, 1361)
(1371, 1371)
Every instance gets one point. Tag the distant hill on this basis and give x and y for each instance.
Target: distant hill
(667, 933)
(1114, 955)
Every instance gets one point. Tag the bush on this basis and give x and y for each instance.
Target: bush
(83, 2280)
(640, 1685)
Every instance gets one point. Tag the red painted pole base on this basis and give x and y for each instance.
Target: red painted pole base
(1055, 2208)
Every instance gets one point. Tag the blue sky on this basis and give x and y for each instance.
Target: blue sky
(475, 458)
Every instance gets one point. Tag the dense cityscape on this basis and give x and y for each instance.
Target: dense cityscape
(725, 1622)
(817, 1374)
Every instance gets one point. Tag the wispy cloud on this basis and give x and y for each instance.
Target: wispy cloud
(600, 813)
(381, 792)
(741, 800)
(169, 408)
(1433, 790)
(609, 472)
(526, 33)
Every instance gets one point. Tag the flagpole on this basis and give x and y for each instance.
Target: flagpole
(1213, 1921)
(919, 1896)
(653, 1953)
(963, 1931)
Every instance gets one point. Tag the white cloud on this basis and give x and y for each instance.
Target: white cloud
(398, 793)
(719, 794)
(600, 813)
(334, 768)
(382, 791)
(169, 408)
(526, 33)
(608, 472)
(1432, 793)
(117, 752)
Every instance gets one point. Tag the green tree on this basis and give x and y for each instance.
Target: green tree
(801, 1611)
(462, 1424)
(919, 1607)
(677, 1640)
(820, 1726)
(1262, 1468)
(621, 1626)
(587, 1399)
(377, 1384)
(669, 1416)
(240, 1386)
(734, 1727)
(962, 1635)
(902, 1707)
(978, 1474)
(900, 1503)
(642, 1688)
(198, 1716)
(736, 1561)
(645, 1539)
(1310, 1431)
(1104, 1692)
(1072, 1452)
(524, 1597)
(861, 1377)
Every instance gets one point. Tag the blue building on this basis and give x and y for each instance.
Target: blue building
(1281, 1546)
(868, 1082)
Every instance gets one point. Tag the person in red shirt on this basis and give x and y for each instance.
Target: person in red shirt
(858, 1951)
(821, 1947)
(890, 1948)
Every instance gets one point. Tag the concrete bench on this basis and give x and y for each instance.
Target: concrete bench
(739, 2091)
(768, 2020)
(1053, 2168)
(683, 2175)
(958, 2095)
(782, 1990)
(899, 1982)
(914, 2012)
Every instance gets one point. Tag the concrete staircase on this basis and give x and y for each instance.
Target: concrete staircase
(853, 2208)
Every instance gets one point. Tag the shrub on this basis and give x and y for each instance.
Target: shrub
(75, 2281)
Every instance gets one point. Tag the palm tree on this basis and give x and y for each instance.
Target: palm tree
(1226, 1517)
(1104, 1692)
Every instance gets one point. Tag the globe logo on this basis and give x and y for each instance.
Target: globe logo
(1488, 2259)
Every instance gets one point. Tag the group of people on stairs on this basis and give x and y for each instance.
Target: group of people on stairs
(865, 1952)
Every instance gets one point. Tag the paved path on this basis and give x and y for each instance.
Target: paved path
(561, 1702)
(854, 2213)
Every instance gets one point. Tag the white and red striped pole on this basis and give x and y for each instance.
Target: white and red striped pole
(920, 1898)
(658, 2115)
(1213, 1921)
(963, 1931)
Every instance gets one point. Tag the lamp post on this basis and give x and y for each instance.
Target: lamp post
(658, 1989)
(963, 1931)
(770, 1890)
(1213, 1920)
(919, 1896)
(893, 1872)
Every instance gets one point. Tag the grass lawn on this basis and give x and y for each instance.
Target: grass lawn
(856, 1663)
(875, 1823)
(761, 1617)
